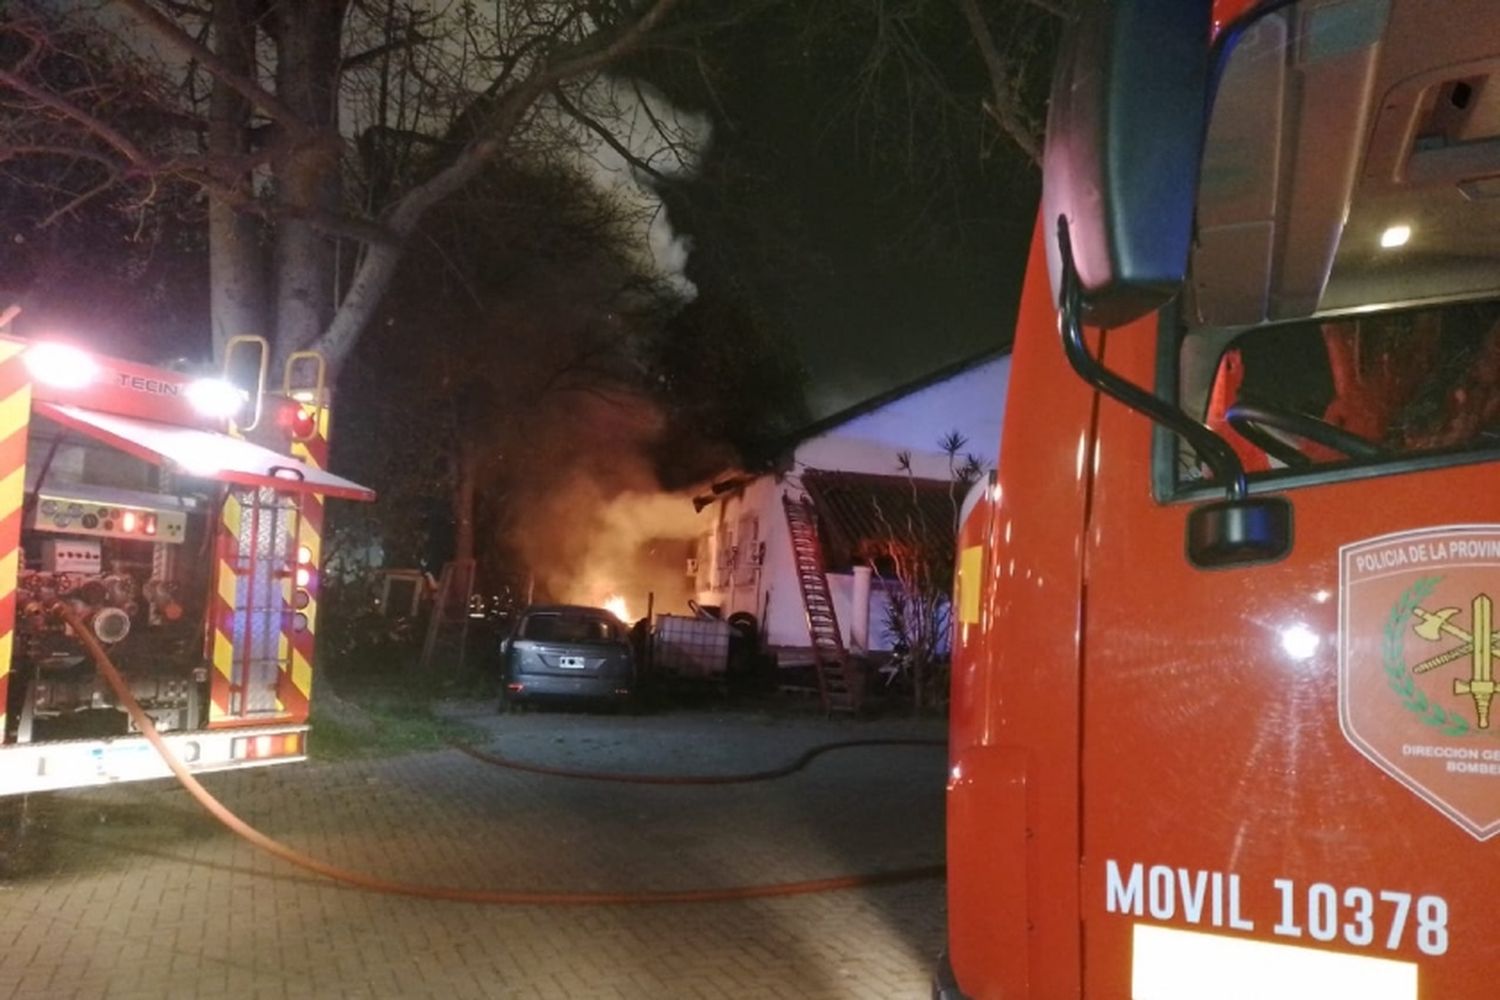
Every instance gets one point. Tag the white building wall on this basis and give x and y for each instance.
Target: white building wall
(971, 403)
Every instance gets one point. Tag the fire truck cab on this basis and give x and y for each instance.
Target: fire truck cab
(1223, 706)
(179, 520)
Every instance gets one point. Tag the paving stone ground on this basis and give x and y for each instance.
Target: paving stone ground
(133, 892)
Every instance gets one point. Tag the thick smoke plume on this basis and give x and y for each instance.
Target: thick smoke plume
(632, 546)
(592, 523)
(595, 523)
(653, 143)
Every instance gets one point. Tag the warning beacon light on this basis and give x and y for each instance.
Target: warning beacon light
(216, 397)
(61, 365)
(304, 423)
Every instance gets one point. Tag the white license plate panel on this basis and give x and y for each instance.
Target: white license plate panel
(570, 662)
(1172, 964)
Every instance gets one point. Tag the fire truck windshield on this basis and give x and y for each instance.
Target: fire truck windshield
(1352, 162)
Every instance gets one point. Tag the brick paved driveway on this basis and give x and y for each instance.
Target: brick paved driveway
(133, 892)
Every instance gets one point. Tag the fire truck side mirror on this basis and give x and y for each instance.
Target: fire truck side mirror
(1124, 140)
(1236, 532)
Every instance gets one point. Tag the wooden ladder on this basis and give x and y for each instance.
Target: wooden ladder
(838, 678)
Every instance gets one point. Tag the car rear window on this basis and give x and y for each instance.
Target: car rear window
(558, 627)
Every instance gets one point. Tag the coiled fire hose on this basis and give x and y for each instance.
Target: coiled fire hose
(374, 883)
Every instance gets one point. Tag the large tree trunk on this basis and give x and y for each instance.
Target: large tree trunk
(236, 258)
(309, 41)
(464, 493)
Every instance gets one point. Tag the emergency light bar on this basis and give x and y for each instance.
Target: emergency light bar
(214, 397)
(61, 365)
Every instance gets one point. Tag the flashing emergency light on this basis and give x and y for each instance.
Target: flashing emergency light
(299, 419)
(216, 398)
(304, 422)
(128, 521)
(61, 365)
(303, 576)
(304, 555)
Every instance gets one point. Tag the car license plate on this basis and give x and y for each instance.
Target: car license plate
(570, 662)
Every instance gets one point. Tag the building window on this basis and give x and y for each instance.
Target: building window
(724, 558)
(747, 561)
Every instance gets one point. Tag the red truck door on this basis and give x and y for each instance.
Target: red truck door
(1290, 773)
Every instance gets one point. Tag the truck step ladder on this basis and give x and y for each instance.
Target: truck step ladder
(838, 677)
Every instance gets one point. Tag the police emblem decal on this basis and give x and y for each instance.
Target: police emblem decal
(1417, 651)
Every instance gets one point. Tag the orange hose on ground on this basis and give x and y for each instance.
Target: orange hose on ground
(695, 779)
(361, 880)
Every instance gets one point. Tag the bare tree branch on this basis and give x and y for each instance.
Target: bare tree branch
(109, 181)
(247, 88)
(1058, 9)
(328, 222)
(1004, 108)
(597, 127)
(16, 151)
(91, 124)
(376, 270)
(360, 59)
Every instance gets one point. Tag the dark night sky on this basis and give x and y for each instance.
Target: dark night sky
(875, 251)
(877, 265)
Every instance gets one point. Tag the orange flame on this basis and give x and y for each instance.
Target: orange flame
(616, 606)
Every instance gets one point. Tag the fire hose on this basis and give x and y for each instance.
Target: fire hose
(361, 880)
(742, 778)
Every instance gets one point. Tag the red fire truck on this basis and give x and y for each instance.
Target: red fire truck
(180, 520)
(1223, 718)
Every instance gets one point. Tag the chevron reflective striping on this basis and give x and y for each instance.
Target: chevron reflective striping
(10, 565)
(15, 414)
(232, 516)
(289, 700)
(225, 599)
(302, 673)
(15, 408)
(12, 490)
(314, 452)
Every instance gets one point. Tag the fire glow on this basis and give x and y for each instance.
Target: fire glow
(616, 606)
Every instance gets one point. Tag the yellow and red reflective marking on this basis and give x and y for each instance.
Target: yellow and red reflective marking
(291, 699)
(225, 598)
(15, 415)
(303, 523)
(313, 451)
